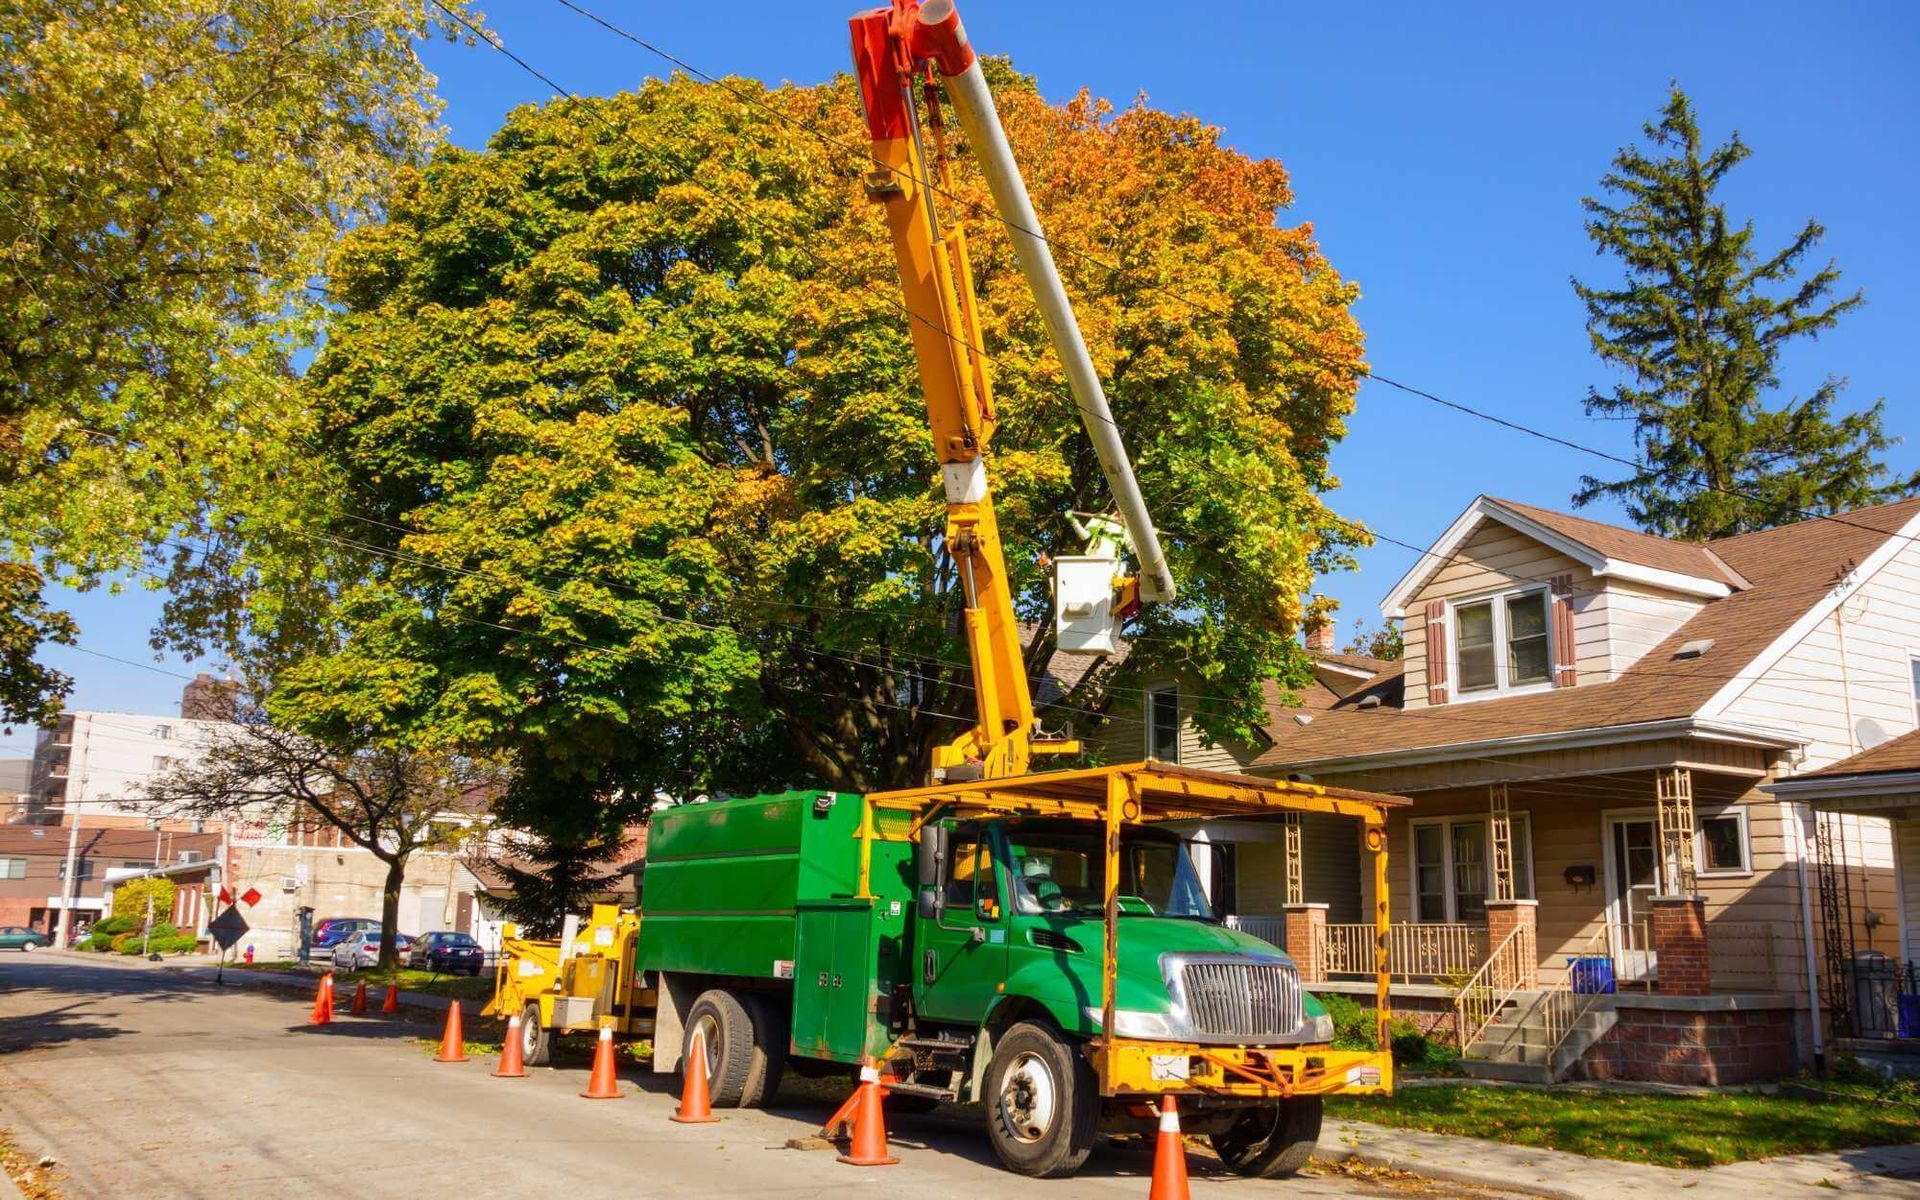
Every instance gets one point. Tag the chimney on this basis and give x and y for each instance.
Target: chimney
(1319, 629)
(208, 699)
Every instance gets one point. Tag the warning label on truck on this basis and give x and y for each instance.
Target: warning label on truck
(783, 968)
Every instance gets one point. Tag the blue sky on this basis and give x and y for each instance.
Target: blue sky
(1440, 152)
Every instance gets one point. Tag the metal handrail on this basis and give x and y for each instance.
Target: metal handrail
(1482, 997)
(1560, 1007)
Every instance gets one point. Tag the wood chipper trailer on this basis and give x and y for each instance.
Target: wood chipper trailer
(573, 985)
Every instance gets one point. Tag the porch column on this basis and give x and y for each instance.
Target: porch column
(1307, 940)
(1200, 851)
(1680, 945)
(1503, 918)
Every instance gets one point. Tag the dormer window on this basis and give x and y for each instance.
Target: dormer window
(1503, 643)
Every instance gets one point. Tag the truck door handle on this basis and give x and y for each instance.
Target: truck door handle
(930, 966)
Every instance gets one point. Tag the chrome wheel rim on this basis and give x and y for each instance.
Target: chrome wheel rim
(1029, 1097)
(708, 1027)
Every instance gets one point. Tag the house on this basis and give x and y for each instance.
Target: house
(1588, 720)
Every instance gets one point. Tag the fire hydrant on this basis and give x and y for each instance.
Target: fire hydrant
(249, 953)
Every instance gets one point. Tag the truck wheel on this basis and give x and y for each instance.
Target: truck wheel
(536, 1042)
(769, 1059)
(723, 1021)
(1042, 1103)
(1271, 1143)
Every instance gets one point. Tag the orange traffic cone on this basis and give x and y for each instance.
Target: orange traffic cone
(1169, 1157)
(392, 1003)
(323, 1002)
(511, 1064)
(868, 1146)
(453, 1044)
(604, 1083)
(359, 1006)
(696, 1102)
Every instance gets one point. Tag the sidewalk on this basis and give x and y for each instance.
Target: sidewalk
(1872, 1171)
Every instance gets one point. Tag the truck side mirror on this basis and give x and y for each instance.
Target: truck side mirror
(930, 866)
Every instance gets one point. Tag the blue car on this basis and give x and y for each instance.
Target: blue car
(334, 930)
(447, 952)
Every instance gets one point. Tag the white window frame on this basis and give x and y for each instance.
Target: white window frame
(1737, 812)
(1502, 686)
(1153, 695)
(1522, 832)
(1913, 664)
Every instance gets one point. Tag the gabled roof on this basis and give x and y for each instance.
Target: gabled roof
(1607, 550)
(1895, 754)
(1792, 573)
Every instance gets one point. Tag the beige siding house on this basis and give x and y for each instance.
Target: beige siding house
(1594, 724)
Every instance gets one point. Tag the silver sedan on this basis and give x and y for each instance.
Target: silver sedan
(361, 950)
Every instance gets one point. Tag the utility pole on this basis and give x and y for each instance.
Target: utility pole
(63, 935)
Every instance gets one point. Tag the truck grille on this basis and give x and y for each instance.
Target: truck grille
(1240, 999)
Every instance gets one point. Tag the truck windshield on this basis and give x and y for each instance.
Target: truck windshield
(1058, 871)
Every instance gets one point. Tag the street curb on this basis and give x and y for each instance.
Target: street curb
(1426, 1168)
(301, 982)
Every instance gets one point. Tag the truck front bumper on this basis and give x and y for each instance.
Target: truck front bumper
(1135, 1068)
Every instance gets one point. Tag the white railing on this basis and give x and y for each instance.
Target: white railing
(1414, 951)
(1510, 968)
(1740, 956)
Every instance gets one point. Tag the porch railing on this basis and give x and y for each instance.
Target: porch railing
(1268, 929)
(1509, 968)
(1424, 951)
(1740, 956)
(1564, 1002)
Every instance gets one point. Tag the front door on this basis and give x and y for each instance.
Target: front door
(963, 954)
(1633, 882)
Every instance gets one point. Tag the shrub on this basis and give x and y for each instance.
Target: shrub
(165, 929)
(112, 925)
(131, 943)
(1354, 1029)
(130, 899)
(179, 943)
(119, 940)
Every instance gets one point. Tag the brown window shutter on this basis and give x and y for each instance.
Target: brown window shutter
(1437, 652)
(1566, 666)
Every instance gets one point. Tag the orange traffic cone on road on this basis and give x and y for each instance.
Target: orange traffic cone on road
(868, 1146)
(453, 1043)
(392, 1003)
(323, 1002)
(604, 1083)
(512, 1065)
(1169, 1157)
(696, 1101)
(359, 1006)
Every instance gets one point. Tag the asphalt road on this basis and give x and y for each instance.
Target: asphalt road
(143, 1081)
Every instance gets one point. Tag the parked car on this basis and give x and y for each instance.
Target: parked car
(447, 952)
(19, 937)
(361, 950)
(334, 930)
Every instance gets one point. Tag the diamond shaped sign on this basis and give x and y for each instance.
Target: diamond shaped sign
(251, 896)
(226, 895)
(228, 928)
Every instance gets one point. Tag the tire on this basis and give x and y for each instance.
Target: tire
(536, 1040)
(1271, 1143)
(723, 1019)
(1042, 1102)
(28, 948)
(769, 1016)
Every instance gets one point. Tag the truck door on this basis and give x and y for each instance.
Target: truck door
(963, 955)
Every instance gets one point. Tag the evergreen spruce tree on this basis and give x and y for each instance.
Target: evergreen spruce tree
(1698, 324)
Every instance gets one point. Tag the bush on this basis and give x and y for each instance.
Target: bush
(165, 929)
(112, 925)
(119, 940)
(179, 943)
(130, 899)
(98, 942)
(1354, 1029)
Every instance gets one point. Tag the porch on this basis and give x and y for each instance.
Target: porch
(1527, 915)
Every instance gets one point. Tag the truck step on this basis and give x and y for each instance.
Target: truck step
(937, 1045)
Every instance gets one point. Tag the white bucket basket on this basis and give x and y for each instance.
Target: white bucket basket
(1083, 603)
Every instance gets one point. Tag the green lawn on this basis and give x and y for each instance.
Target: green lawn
(1671, 1131)
(476, 987)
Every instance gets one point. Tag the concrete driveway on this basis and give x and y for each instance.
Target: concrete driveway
(147, 1082)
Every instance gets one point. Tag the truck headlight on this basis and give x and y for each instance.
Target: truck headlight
(1317, 1029)
(1143, 1025)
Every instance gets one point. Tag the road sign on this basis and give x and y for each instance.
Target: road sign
(228, 928)
(226, 895)
(251, 896)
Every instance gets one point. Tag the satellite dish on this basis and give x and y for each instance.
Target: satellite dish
(1869, 733)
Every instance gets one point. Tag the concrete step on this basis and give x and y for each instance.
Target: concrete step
(1508, 1072)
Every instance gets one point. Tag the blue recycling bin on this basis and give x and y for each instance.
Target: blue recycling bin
(1592, 974)
(1909, 1016)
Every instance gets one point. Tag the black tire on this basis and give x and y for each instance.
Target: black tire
(730, 1047)
(536, 1040)
(1271, 1143)
(769, 1015)
(1042, 1102)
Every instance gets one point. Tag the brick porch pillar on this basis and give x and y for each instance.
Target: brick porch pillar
(1306, 938)
(1680, 946)
(1505, 916)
